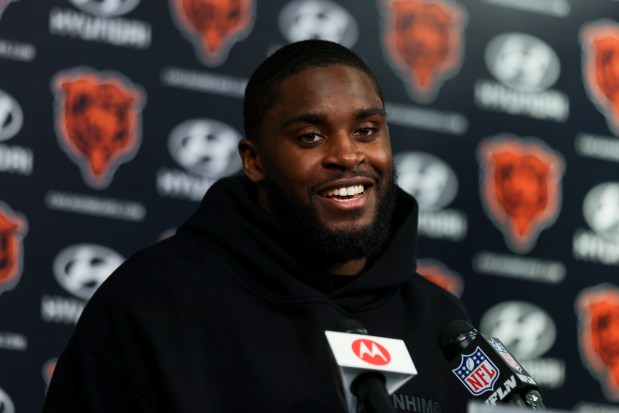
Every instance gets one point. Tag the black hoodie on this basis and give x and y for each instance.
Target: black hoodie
(227, 316)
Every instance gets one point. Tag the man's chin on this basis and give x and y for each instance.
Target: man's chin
(328, 235)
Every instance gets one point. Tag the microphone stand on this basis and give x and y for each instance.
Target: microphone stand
(372, 396)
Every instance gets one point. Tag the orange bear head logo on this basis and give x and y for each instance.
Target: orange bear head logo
(214, 25)
(98, 122)
(424, 41)
(521, 188)
(12, 231)
(601, 69)
(598, 310)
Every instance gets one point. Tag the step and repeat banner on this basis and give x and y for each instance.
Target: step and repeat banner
(117, 115)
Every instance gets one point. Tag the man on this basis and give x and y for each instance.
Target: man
(229, 314)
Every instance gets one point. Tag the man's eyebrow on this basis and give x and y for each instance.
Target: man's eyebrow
(366, 113)
(320, 118)
(312, 118)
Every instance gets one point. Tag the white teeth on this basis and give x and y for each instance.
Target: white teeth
(345, 191)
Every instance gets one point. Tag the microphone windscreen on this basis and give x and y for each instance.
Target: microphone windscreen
(351, 326)
(456, 337)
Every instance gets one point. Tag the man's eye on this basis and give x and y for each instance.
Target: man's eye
(365, 133)
(310, 138)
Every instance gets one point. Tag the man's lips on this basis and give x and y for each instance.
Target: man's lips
(343, 191)
(345, 187)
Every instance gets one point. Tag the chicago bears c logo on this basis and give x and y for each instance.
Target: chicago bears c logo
(214, 25)
(98, 121)
(423, 39)
(520, 186)
(12, 231)
(600, 43)
(598, 311)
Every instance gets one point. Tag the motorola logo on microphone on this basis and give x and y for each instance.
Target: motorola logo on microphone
(371, 352)
(318, 19)
(206, 149)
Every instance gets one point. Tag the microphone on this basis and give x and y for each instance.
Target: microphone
(369, 368)
(481, 364)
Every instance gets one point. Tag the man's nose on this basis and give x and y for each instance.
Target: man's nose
(343, 152)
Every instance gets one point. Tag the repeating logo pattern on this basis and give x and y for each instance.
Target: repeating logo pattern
(47, 371)
(106, 8)
(214, 25)
(526, 329)
(205, 147)
(598, 315)
(11, 116)
(81, 269)
(526, 68)
(424, 43)
(600, 44)
(318, 19)
(6, 404)
(13, 228)
(522, 62)
(98, 121)
(431, 181)
(439, 274)
(527, 75)
(520, 186)
(601, 210)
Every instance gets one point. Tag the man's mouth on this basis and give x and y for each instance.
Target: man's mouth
(344, 193)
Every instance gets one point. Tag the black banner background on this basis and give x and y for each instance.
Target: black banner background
(524, 293)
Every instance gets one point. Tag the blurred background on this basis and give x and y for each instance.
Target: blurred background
(117, 115)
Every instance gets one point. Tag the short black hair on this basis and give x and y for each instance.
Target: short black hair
(262, 88)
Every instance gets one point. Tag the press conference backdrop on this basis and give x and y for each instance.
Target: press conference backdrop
(117, 115)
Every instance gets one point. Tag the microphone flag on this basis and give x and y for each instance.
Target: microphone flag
(355, 354)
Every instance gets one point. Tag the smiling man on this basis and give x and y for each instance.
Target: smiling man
(321, 157)
(229, 314)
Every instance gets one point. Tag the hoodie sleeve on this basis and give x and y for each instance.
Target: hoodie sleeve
(82, 384)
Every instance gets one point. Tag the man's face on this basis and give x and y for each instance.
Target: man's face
(327, 132)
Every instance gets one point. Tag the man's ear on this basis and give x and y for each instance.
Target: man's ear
(252, 166)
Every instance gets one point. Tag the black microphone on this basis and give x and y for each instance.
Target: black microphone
(369, 368)
(481, 364)
(368, 387)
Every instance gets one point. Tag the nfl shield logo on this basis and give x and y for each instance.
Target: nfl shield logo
(477, 372)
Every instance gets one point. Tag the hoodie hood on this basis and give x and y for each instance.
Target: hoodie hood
(265, 260)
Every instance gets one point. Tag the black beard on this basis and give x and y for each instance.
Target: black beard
(301, 224)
